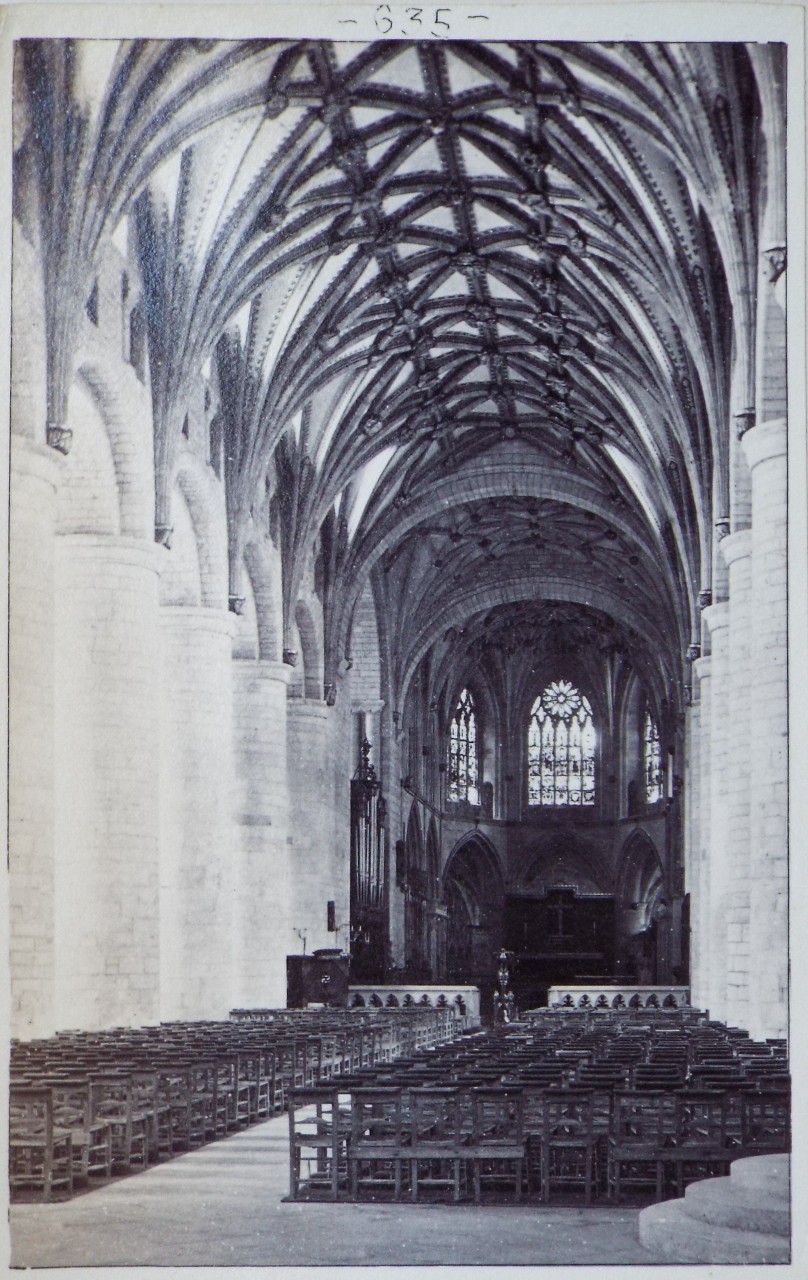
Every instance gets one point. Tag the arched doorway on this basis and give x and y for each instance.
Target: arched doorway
(642, 914)
(474, 896)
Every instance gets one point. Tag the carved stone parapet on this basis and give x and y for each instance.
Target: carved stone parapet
(617, 996)
(463, 1001)
(59, 438)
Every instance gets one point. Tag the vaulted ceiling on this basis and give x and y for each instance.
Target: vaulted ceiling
(473, 309)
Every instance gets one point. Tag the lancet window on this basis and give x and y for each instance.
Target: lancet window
(463, 764)
(652, 759)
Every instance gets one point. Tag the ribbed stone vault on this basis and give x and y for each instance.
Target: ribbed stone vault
(471, 309)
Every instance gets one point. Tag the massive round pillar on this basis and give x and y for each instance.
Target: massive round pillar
(318, 826)
(765, 448)
(198, 871)
(106, 771)
(716, 617)
(736, 549)
(262, 921)
(34, 478)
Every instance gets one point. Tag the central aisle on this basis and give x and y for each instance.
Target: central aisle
(222, 1206)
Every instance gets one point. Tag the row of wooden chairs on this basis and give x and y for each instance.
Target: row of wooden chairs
(349, 1139)
(103, 1103)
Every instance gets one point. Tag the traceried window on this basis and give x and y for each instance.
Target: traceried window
(652, 760)
(463, 775)
(561, 748)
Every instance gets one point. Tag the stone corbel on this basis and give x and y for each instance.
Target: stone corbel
(59, 438)
(775, 262)
(744, 421)
(722, 527)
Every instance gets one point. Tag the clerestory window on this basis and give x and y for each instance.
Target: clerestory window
(561, 748)
(652, 760)
(463, 768)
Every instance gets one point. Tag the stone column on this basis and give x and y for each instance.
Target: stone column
(198, 872)
(716, 618)
(264, 885)
(33, 480)
(736, 550)
(693, 802)
(106, 728)
(765, 448)
(698, 881)
(316, 839)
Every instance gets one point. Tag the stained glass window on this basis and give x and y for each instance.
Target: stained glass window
(652, 757)
(463, 779)
(561, 748)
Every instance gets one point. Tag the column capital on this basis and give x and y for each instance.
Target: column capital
(716, 616)
(262, 669)
(201, 617)
(307, 709)
(135, 552)
(765, 441)
(702, 668)
(369, 705)
(736, 546)
(30, 457)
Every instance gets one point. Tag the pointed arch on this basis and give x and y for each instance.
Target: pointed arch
(474, 892)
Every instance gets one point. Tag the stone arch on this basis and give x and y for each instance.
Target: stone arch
(309, 651)
(88, 499)
(474, 892)
(414, 839)
(128, 428)
(181, 577)
(264, 580)
(564, 858)
(245, 634)
(639, 896)
(205, 501)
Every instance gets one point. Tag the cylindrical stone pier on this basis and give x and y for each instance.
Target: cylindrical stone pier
(106, 770)
(198, 880)
(263, 923)
(765, 447)
(34, 476)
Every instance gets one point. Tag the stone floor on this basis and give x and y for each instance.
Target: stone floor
(222, 1206)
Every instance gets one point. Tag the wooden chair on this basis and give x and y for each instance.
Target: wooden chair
(111, 1102)
(498, 1141)
(439, 1138)
(91, 1141)
(699, 1148)
(636, 1142)
(765, 1121)
(569, 1143)
(319, 1131)
(40, 1154)
(378, 1145)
